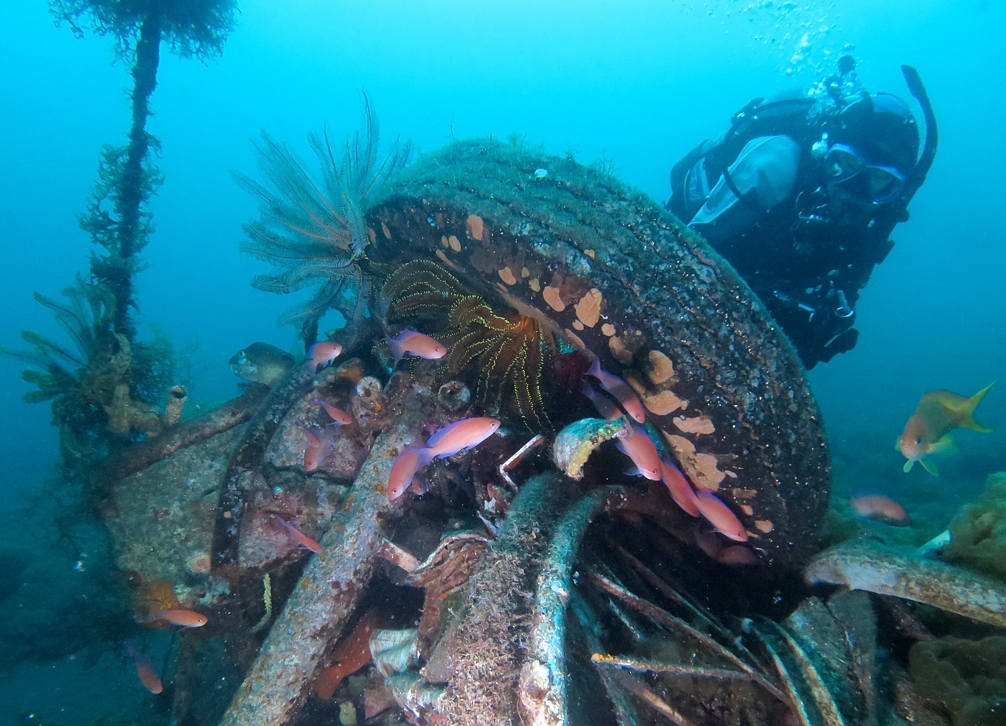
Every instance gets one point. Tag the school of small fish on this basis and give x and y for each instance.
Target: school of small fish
(614, 399)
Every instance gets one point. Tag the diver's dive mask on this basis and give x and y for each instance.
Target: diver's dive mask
(876, 183)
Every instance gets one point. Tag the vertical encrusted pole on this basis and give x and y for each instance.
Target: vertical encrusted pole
(329, 591)
(543, 676)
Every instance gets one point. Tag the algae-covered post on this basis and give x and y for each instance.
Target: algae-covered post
(106, 387)
(116, 217)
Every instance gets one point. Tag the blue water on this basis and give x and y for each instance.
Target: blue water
(639, 83)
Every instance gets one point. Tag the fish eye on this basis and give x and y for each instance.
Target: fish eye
(918, 440)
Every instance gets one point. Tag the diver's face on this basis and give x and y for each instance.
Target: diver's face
(857, 184)
(846, 207)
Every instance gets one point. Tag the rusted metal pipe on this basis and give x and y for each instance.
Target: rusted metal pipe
(329, 590)
(138, 457)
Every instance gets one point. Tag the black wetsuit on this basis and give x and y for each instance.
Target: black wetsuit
(804, 258)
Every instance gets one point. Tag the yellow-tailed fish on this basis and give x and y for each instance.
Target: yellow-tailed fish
(927, 431)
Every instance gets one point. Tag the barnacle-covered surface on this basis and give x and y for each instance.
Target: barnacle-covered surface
(614, 274)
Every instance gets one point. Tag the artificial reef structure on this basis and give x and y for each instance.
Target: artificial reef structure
(529, 266)
(529, 579)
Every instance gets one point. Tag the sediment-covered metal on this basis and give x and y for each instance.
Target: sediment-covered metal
(246, 461)
(877, 568)
(149, 451)
(329, 589)
(481, 654)
(543, 675)
(606, 270)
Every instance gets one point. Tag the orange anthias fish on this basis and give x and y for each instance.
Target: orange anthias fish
(322, 354)
(352, 654)
(411, 342)
(144, 669)
(618, 388)
(299, 536)
(939, 412)
(180, 617)
(464, 434)
(338, 416)
(874, 505)
(719, 515)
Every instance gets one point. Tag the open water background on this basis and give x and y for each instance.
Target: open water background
(636, 82)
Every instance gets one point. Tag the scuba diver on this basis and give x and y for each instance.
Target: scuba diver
(801, 195)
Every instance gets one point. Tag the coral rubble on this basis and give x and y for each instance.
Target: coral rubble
(965, 677)
(978, 531)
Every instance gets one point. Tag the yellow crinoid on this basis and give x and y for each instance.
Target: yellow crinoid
(504, 350)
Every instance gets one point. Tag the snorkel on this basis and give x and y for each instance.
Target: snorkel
(918, 91)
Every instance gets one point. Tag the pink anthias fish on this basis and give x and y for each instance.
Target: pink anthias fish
(719, 515)
(618, 388)
(681, 491)
(144, 669)
(337, 415)
(403, 471)
(604, 405)
(411, 342)
(635, 443)
(458, 436)
(318, 444)
(464, 434)
(299, 536)
(322, 354)
(874, 505)
(713, 546)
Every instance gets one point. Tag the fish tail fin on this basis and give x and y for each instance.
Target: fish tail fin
(424, 454)
(396, 349)
(595, 368)
(968, 421)
(908, 465)
(930, 467)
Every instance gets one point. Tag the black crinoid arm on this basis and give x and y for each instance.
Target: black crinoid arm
(312, 226)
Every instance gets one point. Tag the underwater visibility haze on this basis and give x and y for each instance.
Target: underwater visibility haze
(356, 369)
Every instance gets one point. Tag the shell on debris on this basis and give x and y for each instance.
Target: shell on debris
(575, 443)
